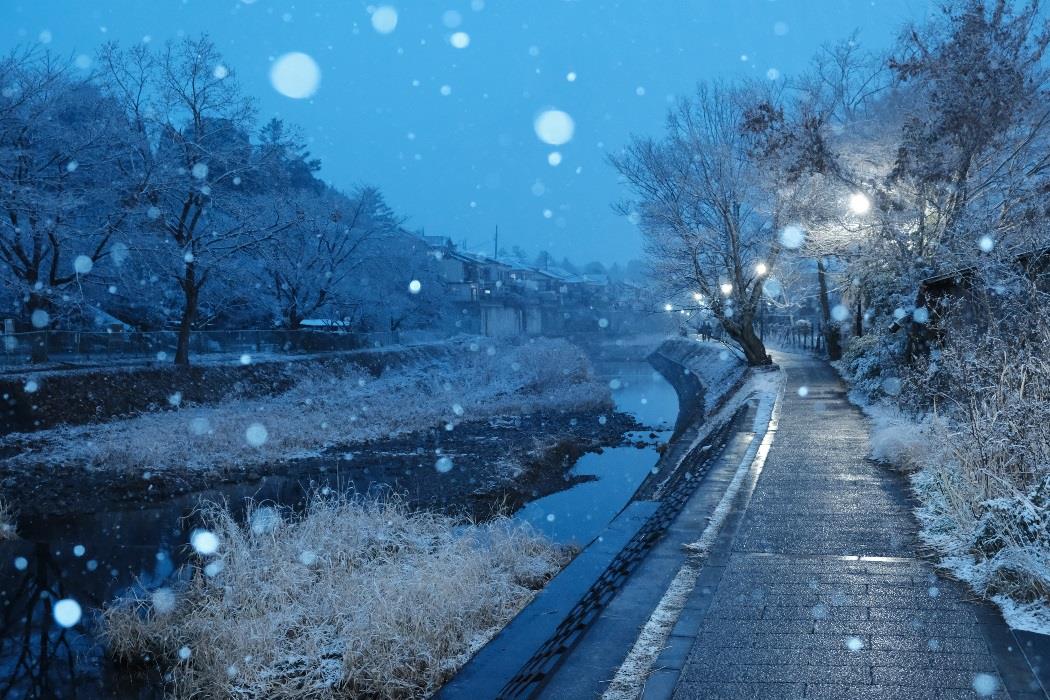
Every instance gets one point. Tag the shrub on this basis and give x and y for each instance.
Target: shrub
(985, 502)
(872, 364)
(352, 598)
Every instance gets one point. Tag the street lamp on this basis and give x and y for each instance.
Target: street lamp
(761, 269)
(859, 203)
(727, 288)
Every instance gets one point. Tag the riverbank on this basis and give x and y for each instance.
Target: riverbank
(115, 531)
(475, 422)
(498, 464)
(41, 398)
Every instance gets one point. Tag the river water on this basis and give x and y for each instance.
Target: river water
(91, 558)
(578, 514)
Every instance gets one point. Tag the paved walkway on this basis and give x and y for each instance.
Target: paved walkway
(815, 589)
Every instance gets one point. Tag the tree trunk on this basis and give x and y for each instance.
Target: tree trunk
(293, 319)
(38, 352)
(830, 329)
(752, 346)
(189, 315)
(858, 321)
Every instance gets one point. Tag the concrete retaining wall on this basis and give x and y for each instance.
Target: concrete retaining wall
(702, 374)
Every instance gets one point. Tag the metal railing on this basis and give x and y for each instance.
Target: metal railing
(77, 347)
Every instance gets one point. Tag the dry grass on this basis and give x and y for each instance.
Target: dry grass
(907, 443)
(7, 522)
(985, 503)
(984, 485)
(332, 407)
(353, 598)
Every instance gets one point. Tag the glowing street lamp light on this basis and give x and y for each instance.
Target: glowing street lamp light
(859, 203)
(761, 269)
(727, 288)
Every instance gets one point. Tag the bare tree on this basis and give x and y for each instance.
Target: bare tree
(980, 119)
(954, 153)
(807, 138)
(708, 212)
(312, 265)
(194, 126)
(65, 178)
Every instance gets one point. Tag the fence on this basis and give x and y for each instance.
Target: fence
(92, 346)
(796, 336)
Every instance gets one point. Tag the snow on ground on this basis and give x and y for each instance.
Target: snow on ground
(922, 447)
(353, 598)
(329, 408)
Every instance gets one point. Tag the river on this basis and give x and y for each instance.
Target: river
(578, 514)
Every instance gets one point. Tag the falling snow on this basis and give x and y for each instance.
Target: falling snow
(295, 75)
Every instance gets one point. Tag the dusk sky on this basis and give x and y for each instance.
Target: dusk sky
(447, 131)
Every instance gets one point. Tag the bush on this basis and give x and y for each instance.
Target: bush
(985, 503)
(352, 598)
(872, 364)
(969, 420)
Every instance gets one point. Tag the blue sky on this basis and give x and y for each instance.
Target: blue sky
(459, 164)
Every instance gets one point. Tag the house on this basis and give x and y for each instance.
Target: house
(506, 296)
(483, 288)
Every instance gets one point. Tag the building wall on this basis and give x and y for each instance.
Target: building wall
(499, 321)
(452, 270)
(533, 321)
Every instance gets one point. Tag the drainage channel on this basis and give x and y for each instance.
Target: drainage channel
(548, 630)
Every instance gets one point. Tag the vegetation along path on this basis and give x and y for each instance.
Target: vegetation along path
(816, 588)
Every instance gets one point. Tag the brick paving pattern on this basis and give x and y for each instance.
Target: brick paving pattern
(819, 592)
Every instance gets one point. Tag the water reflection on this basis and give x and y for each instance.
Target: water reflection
(643, 392)
(579, 514)
(91, 558)
(33, 650)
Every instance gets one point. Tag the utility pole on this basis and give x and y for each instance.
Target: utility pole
(495, 244)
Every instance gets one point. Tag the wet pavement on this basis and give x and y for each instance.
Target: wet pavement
(816, 590)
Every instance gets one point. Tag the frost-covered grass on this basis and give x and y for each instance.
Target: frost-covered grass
(910, 443)
(979, 457)
(7, 522)
(352, 598)
(329, 407)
